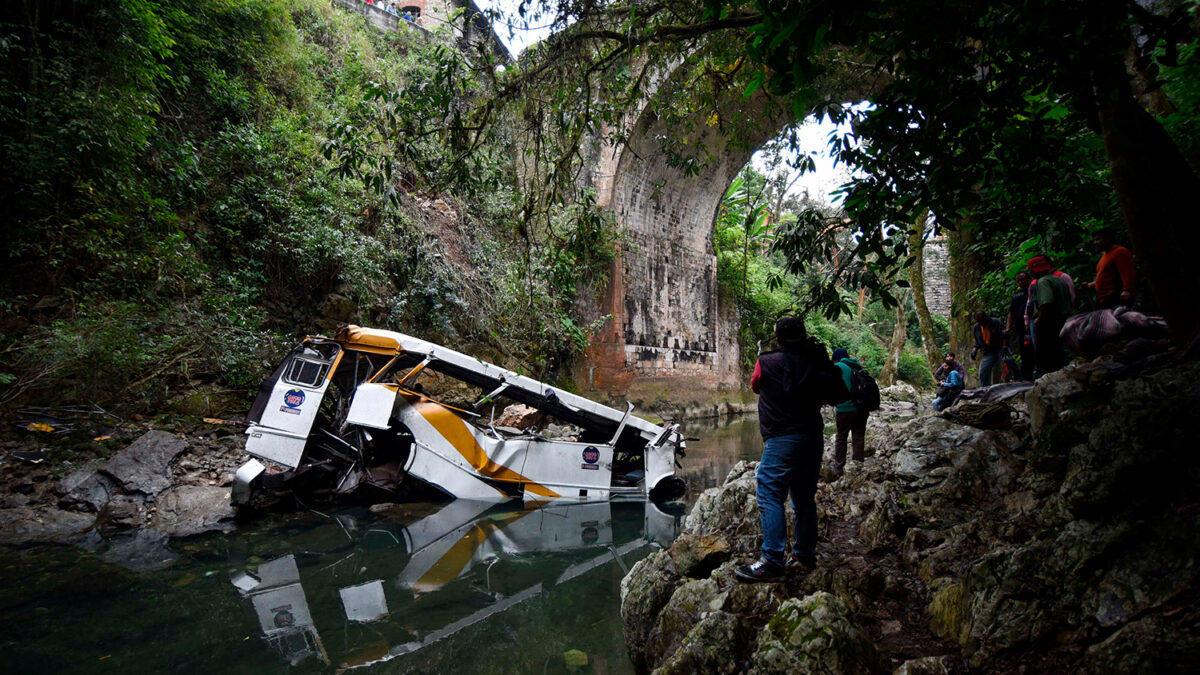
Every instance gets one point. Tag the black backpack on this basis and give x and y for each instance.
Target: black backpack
(864, 392)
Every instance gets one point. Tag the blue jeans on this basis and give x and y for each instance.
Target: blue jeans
(789, 464)
(987, 367)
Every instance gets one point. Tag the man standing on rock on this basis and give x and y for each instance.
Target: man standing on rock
(989, 339)
(1016, 328)
(1116, 277)
(792, 384)
(1051, 305)
(850, 420)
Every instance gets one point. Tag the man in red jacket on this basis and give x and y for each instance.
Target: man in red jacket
(792, 384)
(1115, 273)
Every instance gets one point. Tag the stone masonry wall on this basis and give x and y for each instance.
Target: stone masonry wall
(669, 326)
(937, 277)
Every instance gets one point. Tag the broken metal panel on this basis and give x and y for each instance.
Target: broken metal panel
(579, 470)
(243, 481)
(372, 406)
(660, 455)
(444, 441)
(432, 467)
(365, 602)
(291, 407)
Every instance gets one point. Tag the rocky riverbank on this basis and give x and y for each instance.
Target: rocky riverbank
(1061, 538)
(125, 492)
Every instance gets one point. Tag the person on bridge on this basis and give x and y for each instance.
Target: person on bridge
(792, 384)
(1116, 276)
(989, 339)
(850, 420)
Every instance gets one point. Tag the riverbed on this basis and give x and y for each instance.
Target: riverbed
(458, 587)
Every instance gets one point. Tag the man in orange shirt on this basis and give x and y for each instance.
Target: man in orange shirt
(1115, 274)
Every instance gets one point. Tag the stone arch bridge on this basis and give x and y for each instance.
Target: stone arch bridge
(673, 336)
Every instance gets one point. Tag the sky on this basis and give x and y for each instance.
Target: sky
(826, 177)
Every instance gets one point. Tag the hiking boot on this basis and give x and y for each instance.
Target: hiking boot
(803, 562)
(761, 570)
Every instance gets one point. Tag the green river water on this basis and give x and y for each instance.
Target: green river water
(462, 587)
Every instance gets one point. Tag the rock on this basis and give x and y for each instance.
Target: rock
(697, 556)
(644, 591)
(815, 634)
(687, 605)
(1153, 644)
(144, 466)
(710, 647)
(26, 525)
(140, 551)
(947, 612)
(901, 391)
(929, 665)
(121, 513)
(85, 490)
(190, 509)
(730, 510)
(575, 659)
(520, 417)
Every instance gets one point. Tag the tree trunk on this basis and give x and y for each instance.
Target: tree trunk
(916, 279)
(1157, 190)
(891, 368)
(966, 273)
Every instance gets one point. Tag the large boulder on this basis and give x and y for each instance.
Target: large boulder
(29, 525)
(644, 591)
(711, 646)
(815, 634)
(144, 466)
(191, 509)
(85, 489)
(730, 510)
(697, 556)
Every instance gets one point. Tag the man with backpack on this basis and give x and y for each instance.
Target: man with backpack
(989, 339)
(792, 384)
(1051, 300)
(851, 416)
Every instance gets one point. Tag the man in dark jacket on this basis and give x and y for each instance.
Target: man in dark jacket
(1017, 329)
(989, 339)
(792, 384)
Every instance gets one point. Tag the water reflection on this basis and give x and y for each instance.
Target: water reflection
(464, 587)
(419, 580)
(723, 443)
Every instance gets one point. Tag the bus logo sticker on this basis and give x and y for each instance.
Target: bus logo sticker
(292, 401)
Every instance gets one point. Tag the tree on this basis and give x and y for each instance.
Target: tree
(985, 113)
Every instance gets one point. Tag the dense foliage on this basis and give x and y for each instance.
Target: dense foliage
(755, 207)
(187, 187)
(1024, 124)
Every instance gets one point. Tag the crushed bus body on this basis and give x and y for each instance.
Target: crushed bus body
(349, 417)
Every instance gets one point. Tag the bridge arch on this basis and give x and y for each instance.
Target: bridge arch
(672, 335)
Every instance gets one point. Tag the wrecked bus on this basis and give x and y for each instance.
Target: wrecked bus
(349, 417)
